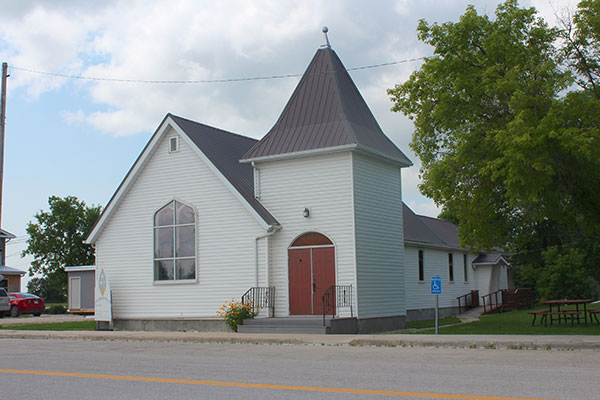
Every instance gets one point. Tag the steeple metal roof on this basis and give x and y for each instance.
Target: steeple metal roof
(325, 111)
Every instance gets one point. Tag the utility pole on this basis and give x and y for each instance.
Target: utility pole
(2, 127)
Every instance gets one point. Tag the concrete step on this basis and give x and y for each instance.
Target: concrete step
(284, 325)
(294, 321)
(282, 329)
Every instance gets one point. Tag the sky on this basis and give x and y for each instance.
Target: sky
(79, 137)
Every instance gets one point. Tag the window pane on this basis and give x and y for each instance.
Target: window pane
(421, 266)
(164, 216)
(163, 242)
(186, 269)
(185, 241)
(164, 270)
(184, 214)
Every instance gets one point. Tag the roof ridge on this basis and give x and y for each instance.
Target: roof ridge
(344, 107)
(213, 127)
(436, 218)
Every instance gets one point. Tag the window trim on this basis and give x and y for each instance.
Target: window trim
(174, 258)
(174, 139)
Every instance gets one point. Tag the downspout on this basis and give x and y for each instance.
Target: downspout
(271, 230)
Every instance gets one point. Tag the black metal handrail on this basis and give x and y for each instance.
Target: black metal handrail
(260, 297)
(471, 300)
(337, 296)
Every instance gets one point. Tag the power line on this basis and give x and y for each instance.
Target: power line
(157, 81)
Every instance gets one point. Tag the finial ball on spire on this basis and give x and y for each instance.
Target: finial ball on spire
(327, 44)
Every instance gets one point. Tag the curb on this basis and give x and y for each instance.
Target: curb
(478, 344)
(443, 341)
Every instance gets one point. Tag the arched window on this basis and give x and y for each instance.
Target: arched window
(312, 239)
(174, 243)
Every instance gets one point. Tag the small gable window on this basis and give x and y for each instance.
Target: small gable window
(173, 144)
(175, 243)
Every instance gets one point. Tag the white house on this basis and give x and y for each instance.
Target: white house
(314, 207)
(10, 278)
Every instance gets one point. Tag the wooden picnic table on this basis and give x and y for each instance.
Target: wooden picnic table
(563, 313)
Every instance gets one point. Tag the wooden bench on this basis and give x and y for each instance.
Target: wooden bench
(561, 314)
(594, 313)
(544, 316)
(535, 314)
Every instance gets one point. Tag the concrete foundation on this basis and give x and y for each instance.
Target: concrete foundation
(381, 324)
(342, 326)
(170, 325)
(429, 313)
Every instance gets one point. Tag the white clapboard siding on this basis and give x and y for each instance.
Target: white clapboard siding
(379, 237)
(226, 233)
(435, 263)
(324, 185)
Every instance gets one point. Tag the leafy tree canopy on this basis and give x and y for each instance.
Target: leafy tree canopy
(57, 239)
(509, 146)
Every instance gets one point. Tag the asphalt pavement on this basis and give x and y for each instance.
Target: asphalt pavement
(75, 369)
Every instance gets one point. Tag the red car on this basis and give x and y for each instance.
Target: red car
(25, 303)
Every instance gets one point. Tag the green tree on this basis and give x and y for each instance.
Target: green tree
(57, 239)
(51, 290)
(507, 146)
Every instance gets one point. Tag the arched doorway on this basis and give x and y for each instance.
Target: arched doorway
(311, 272)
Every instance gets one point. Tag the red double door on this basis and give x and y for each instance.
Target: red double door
(311, 272)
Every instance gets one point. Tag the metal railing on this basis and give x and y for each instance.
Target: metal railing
(492, 304)
(337, 296)
(260, 297)
(468, 301)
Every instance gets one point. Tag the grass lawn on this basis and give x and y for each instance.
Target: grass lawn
(518, 323)
(430, 323)
(55, 326)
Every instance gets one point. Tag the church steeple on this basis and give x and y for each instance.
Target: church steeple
(325, 111)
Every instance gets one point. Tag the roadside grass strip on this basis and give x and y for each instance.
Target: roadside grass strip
(518, 322)
(53, 326)
(267, 386)
(430, 323)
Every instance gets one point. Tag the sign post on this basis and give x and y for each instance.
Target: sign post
(436, 288)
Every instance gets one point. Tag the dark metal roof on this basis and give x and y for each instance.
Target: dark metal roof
(492, 258)
(446, 231)
(326, 110)
(224, 149)
(6, 234)
(415, 230)
(429, 230)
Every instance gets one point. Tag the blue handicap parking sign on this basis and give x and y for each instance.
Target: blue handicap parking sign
(436, 285)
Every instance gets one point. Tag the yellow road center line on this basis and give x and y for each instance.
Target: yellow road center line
(266, 386)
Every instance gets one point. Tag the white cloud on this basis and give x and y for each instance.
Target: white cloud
(205, 40)
(73, 117)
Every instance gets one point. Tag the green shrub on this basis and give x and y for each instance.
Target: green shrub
(55, 309)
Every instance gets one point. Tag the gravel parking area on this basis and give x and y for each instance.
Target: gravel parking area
(42, 319)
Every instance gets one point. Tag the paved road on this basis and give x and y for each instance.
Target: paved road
(67, 369)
